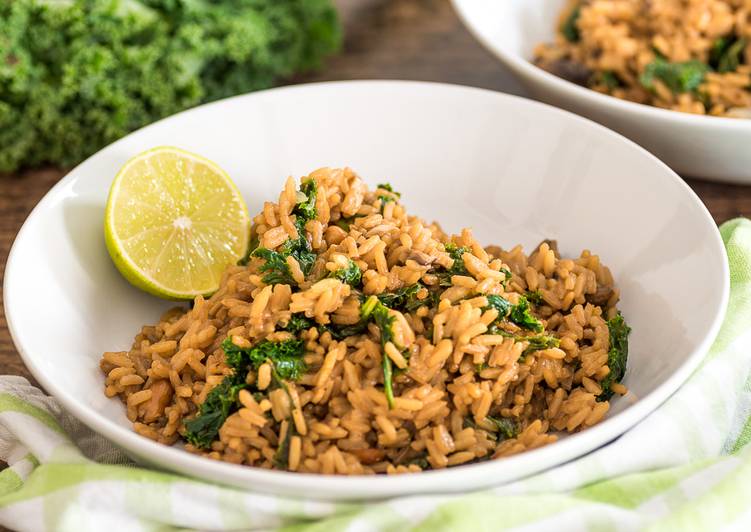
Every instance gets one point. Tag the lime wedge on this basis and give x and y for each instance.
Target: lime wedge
(174, 222)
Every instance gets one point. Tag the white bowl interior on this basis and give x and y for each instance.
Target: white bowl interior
(514, 170)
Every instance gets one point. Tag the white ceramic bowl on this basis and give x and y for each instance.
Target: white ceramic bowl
(515, 170)
(707, 147)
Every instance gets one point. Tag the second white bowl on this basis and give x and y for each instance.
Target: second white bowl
(706, 147)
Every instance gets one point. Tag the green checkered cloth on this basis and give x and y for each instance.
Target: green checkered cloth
(685, 467)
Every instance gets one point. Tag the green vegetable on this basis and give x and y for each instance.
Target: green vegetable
(608, 78)
(306, 207)
(298, 323)
(385, 323)
(507, 428)
(730, 56)
(75, 75)
(457, 268)
(387, 186)
(535, 297)
(286, 357)
(219, 404)
(678, 77)
(502, 305)
(275, 265)
(569, 28)
(351, 274)
(287, 363)
(539, 342)
(617, 354)
(281, 456)
(522, 316)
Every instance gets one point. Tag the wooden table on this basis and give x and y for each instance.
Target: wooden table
(397, 39)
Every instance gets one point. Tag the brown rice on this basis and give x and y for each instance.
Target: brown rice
(468, 384)
(686, 55)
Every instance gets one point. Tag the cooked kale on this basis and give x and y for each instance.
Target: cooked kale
(535, 297)
(502, 305)
(306, 207)
(569, 28)
(727, 53)
(286, 357)
(457, 268)
(351, 274)
(287, 363)
(539, 342)
(387, 186)
(617, 355)
(298, 323)
(281, 456)
(678, 77)
(522, 316)
(507, 428)
(219, 403)
(607, 78)
(385, 322)
(275, 267)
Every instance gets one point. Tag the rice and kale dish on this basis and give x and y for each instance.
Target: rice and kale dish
(686, 55)
(358, 339)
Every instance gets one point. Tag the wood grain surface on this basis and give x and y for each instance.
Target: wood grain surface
(396, 39)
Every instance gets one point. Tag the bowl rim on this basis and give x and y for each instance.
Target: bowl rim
(542, 77)
(334, 487)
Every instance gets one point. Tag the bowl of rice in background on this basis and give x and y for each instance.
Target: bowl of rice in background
(674, 76)
(514, 171)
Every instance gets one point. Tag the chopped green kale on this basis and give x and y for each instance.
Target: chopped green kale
(727, 54)
(275, 268)
(281, 456)
(286, 357)
(617, 355)
(218, 405)
(385, 323)
(351, 274)
(539, 342)
(502, 305)
(457, 268)
(287, 363)
(298, 323)
(535, 297)
(607, 78)
(387, 186)
(522, 316)
(677, 77)
(507, 428)
(306, 207)
(569, 28)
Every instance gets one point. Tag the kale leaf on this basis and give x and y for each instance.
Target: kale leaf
(617, 354)
(727, 53)
(385, 323)
(507, 428)
(538, 342)
(275, 265)
(221, 401)
(76, 75)
(535, 297)
(522, 316)
(298, 323)
(306, 207)
(569, 28)
(351, 274)
(502, 305)
(677, 77)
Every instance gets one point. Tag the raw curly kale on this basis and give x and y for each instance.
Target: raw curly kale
(75, 75)
(617, 354)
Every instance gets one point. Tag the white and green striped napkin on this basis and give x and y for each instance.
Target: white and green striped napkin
(685, 467)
